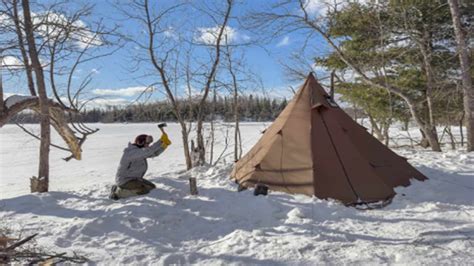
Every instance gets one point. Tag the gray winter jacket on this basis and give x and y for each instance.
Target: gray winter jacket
(133, 164)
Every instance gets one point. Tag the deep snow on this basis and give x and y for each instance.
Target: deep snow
(429, 222)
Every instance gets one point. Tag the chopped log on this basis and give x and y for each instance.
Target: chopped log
(193, 186)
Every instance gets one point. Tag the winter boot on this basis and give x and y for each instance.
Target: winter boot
(112, 194)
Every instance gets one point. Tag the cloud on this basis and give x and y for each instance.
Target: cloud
(209, 35)
(11, 62)
(284, 42)
(95, 71)
(5, 21)
(97, 103)
(53, 25)
(124, 92)
(317, 8)
(192, 93)
(320, 70)
(171, 33)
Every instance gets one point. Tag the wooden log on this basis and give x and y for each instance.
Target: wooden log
(193, 186)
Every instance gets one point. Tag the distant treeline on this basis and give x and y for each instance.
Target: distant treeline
(251, 108)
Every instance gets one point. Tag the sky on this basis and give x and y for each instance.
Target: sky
(119, 79)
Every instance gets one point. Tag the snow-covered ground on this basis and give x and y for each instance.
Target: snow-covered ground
(430, 222)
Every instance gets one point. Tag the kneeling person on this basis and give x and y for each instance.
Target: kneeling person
(129, 179)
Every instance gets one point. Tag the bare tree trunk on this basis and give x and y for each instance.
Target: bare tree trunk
(200, 142)
(461, 129)
(192, 180)
(432, 137)
(237, 143)
(375, 128)
(185, 138)
(240, 143)
(2, 103)
(406, 124)
(193, 186)
(354, 106)
(451, 137)
(211, 148)
(442, 134)
(465, 63)
(209, 79)
(424, 140)
(21, 45)
(429, 136)
(425, 48)
(213, 135)
(40, 183)
(429, 126)
(331, 93)
(386, 131)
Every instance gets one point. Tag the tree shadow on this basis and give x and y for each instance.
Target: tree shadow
(169, 218)
(450, 189)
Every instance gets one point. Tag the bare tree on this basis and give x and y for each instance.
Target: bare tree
(50, 31)
(164, 54)
(212, 118)
(40, 183)
(2, 102)
(235, 96)
(465, 62)
(209, 77)
(164, 58)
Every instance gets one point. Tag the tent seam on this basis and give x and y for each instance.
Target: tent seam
(338, 157)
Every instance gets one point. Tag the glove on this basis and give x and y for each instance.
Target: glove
(165, 141)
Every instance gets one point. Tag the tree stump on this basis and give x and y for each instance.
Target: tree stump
(192, 186)
(38, 184)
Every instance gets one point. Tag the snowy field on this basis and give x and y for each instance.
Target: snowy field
(430, 222)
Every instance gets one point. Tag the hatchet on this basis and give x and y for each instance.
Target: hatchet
(161, 126)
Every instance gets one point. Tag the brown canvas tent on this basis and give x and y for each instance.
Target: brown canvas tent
(315, 148)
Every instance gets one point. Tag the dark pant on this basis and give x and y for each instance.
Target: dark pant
(139, 186)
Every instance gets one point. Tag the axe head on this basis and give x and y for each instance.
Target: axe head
(162, 125)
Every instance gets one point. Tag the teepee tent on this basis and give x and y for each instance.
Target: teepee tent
(315, 148)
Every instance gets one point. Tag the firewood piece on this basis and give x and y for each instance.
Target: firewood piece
(21, 242)
(193, 186)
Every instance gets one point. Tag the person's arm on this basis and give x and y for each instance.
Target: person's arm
(152, 151)
(159, 150)
(164, 143)
(147, 152)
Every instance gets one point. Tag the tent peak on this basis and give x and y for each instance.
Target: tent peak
(311, 75)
